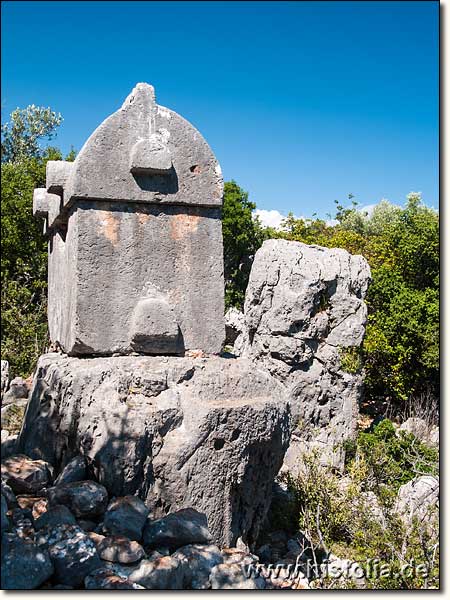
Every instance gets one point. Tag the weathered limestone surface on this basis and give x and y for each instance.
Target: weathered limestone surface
(304, 309)
(178, 432)
(135, 237)
(142, 278)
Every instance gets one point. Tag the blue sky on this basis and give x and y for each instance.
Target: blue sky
(302, 102)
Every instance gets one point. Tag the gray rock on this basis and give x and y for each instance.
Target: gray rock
(233, 577)
(419, 499)
(25, 475)
(72, 553)
(17, 390)
(9, 444)
(209, 433)
(106, 579)
(86, 524)
(186, 526)
(4, 377)
(84, 498)
(164, 573)
(429, 434)
(9, 495)
(121, 187)
(25, 566)
(198, 561)
(234, 325)
(120, 549)
(55, 515)
(75, 470)
(304, 315)
(126, 516)
(6, 524)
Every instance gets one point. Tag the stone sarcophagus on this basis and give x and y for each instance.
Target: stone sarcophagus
(135, 237)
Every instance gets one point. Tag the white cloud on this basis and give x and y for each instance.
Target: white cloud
(269, 218)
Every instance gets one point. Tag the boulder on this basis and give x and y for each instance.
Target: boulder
(6, 524)
(125, 516)
(120, 549)
(304, 319)
(9, 495)
(84, 498)
(105, 579)
(86, 524)
(233, 577)
(186, 526)
(9, 444)
(72, 553)
(164, 573)
(25, 475)
(23, 525)
(419, 499)
(75, 470)
(198, 562)
(17, 390)
(174, 431)
(56, 515)
(234, 325)
(25, 566)
(4, 377)
(426, 433)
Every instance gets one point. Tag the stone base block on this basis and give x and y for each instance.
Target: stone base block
(208, 433)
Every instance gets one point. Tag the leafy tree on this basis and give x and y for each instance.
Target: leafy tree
(21, 136)
(242, 236)
(24, 248)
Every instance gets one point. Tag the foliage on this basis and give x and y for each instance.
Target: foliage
(353, 514)
(351, 361)
(24, 248)
(391, 458)
(242, 236)
(21, 136)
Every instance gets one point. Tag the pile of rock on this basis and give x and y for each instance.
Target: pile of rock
(67, 533)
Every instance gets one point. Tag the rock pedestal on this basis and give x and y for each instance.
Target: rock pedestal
(178, 432)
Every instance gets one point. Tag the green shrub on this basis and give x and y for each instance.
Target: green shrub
(351, 360)
(352, 514)
(391, 458)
